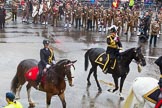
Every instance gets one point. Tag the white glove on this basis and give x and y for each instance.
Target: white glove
(54, 62)
(116, 38)
(47, 66)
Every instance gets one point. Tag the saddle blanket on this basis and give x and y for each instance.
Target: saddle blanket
(103, 59)
(32, 73)
(152, 95)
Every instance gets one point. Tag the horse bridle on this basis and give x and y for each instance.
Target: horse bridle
(138, 60)
(68, 66)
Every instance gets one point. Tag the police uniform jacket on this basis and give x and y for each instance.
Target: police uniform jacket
(46, 56)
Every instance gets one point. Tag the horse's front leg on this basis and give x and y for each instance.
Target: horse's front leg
(62, 98)
(121, 86)
(116, 84)
(28, 87)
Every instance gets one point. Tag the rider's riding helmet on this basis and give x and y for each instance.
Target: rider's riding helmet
(46, 42)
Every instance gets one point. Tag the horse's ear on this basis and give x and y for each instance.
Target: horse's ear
(73, 61)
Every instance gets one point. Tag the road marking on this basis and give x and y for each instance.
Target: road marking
(107, 83)
(151, 57)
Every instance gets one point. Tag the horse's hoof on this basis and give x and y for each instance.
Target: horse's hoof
(121, 98)
(88, 84)
(31, 104)
(99, 90)
(110, 90)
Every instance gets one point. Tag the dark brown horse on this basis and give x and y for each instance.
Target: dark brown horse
(54, 80)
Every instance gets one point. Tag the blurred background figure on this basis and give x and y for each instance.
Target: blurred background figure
(2, 16)
(14, 11)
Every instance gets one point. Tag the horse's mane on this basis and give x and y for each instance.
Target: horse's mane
(55, 71)
(127, 51)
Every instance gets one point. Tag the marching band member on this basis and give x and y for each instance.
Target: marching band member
(45, 13)
(35, 11)
(14, 11)
(118, 20)
(74, 8)
(109, 17)
(96, 17)
(104, 20)
(84, 16)
(40, 12)
(89, 18)
(130, 22)
(68, 11)
(55, 15)
(25, 12)
(78, 13)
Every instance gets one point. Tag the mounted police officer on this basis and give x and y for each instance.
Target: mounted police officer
(113, 45)
(46, 59)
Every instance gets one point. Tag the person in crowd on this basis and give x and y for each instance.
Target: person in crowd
(12, 103)
(2, 17)
(155, 28)
(14, 8)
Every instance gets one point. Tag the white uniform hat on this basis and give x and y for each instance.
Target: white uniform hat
(113, 27)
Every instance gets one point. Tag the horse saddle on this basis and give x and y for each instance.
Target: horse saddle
(153, 95)
(32, 74)
(106, 61)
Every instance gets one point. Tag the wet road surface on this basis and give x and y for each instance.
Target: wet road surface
(23, 41)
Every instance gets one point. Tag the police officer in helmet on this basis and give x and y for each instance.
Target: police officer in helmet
(46, 59)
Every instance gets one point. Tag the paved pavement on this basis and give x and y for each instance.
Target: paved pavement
(20, 41)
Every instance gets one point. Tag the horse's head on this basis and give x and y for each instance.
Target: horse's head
(65, 65)
(138, 56)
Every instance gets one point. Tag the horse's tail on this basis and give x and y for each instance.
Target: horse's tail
(129, 99)
(14, 83)
(86, 63)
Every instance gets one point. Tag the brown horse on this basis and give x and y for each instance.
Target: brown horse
(54, 80)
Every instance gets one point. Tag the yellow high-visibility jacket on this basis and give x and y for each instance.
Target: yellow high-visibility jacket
(15, 104)
(131, 2)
